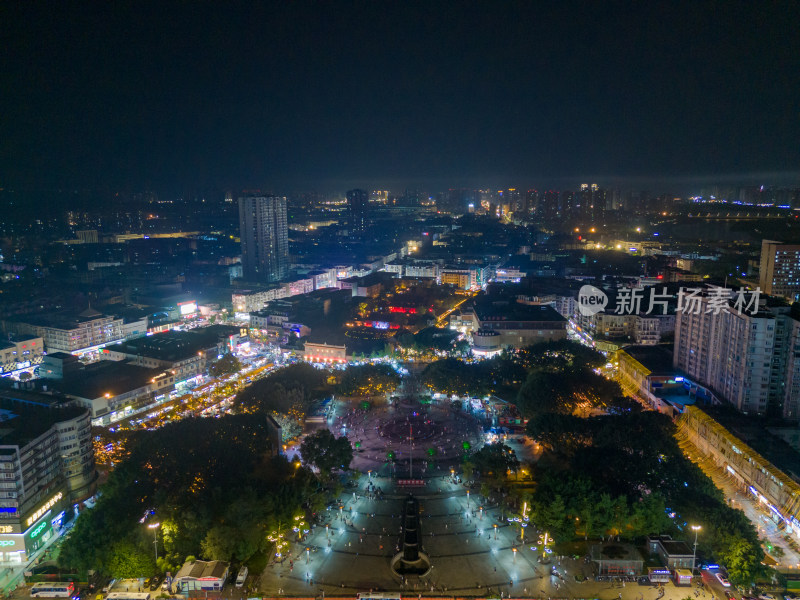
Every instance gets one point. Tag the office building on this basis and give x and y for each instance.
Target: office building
(779, 273)
(264, 233)
(357, 207)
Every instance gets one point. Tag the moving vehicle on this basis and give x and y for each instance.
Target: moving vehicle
(128, 596)
(51, 589)
(241, 577)
(722, 579)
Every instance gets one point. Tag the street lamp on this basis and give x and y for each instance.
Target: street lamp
(696, 529)
(280, 542)
(154, 527)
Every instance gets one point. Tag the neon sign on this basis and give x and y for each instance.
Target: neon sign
(35, 516)
(38, 530)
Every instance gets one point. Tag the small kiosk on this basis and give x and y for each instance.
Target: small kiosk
(683, 577)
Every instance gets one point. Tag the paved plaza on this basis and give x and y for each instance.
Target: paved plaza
(473, 549)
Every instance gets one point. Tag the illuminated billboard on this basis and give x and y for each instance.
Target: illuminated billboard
(187, 308)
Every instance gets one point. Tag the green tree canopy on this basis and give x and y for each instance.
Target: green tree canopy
(368, 380)
(495, 460)
(227, 365)
(293, 388)
(326, 452)
(194, 476)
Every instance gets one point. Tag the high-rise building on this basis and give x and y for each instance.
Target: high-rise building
(265, 238)
(48, 465)
(357, 207)
(779, 273)
(549, 208)
(746, 358)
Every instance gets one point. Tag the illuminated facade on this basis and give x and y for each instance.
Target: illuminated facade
(324, 353)
(779, 272)
(264, 233)
(47, 464)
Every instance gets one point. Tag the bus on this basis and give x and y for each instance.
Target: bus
(53, 589)
(377, 596)
(128, 596)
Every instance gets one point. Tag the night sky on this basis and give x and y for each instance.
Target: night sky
(329, 95)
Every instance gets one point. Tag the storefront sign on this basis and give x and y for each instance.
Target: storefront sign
(44, 508)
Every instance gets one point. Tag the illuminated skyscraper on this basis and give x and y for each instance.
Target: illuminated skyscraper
(265, 238)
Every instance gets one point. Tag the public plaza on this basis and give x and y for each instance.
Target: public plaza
(474, 550)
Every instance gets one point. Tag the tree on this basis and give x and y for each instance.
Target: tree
(496, 460)
(743, 559)
(326, 452)
(292, 389)
(368, 380)
(560, 355)
(197, 476)
(128, 560)
(227, 365)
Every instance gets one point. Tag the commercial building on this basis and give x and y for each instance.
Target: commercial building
(369, 286)
(515, 325)
(324, 353)
(264, 234)
(639, 329)
(20, 353)
(646, 373)
(200, 575)
(674, 554)
(760, 473)
(779, 273)
(113, 390)
(183, 354)
(81, 333)
(46, 464)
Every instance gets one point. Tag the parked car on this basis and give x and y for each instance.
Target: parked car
(154, 582)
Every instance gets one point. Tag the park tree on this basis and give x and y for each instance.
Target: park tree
(196, 476)
(454, 376)
(290, 390)
(368, 380)
(227, 365)
(129, 560)
(326, 452)
(560, 355)
(495, 460)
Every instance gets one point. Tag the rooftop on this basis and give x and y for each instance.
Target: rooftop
(167, 346)
(60, 320)
(202, 568)
(22, 421)
(753, 431)
(656, 359)
(107, 377)
(504, 310)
